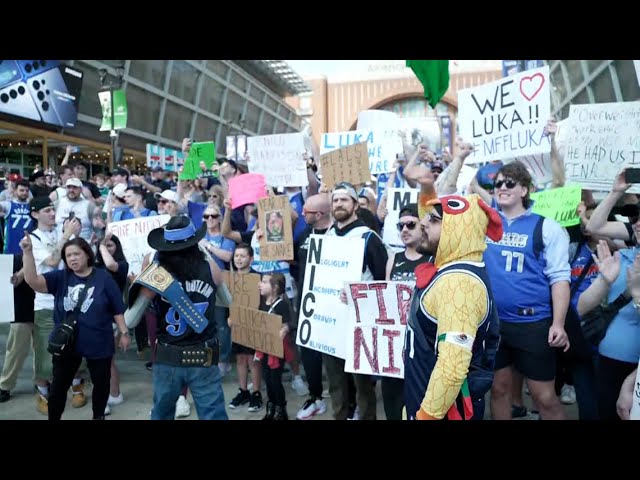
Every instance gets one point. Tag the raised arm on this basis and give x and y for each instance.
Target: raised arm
(557, 165)
(598, 223)
(609, 267)
(225, 228)
(35, 281)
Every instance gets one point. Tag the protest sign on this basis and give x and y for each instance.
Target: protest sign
(133, 237)
(279, 158)
(397, 199)
(243, 288)
(376, 321)
(166, 158)
(331, 261)
(560, 204)
(506, 118)
(6, 289)
(255, 329)
(382, 147)
(602, 139)
(246, 189)
(274, 218)
(200, 162)
(635, 406)
(348, 164)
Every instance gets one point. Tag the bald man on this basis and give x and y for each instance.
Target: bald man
(317, 214)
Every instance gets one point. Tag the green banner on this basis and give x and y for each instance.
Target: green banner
(119, 108)
(199, 163)
(559, 204)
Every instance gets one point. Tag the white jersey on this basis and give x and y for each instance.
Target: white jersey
(81, 210)
(358, 232)
(44, 244)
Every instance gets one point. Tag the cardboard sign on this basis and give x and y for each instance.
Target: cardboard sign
(279, 158)
(274, 217)
(256, 329)
(200, 162)
(382, 146)
(6, 289)
(246, 189)
(348, 164)
(602, 139)
(331, 261)
(559, 204)
(506, 118)
(133, 237)
(397, 199)
(376, 321)
(243, 288)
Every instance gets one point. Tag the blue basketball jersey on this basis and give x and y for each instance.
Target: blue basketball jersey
(17, 220)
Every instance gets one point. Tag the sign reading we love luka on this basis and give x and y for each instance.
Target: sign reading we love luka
(505, 119)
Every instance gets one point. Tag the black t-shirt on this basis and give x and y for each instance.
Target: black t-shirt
(93, 188)
(283, 308)
(23, 296)
(38, 191)
(301, 247)
(120, 277)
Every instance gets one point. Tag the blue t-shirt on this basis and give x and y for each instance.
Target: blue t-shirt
(297, 202)
(94, 333)
(195, 212)
(145, 212)
(219, 241)
(577, 266)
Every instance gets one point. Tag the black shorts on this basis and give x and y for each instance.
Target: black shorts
(236, 348)
(526, 347)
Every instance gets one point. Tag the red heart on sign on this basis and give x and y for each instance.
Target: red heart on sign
(531, 86)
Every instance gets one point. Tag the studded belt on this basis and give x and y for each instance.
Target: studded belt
(199, 355)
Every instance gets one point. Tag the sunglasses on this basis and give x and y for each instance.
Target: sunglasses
(163, 201)
(508, 182)
(207, 217)
(431, 218)
(409, 225)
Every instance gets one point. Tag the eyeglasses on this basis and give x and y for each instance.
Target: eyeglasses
(508, 182)
(163, 201)
(409, 225)
(207, 217)
(431, 218)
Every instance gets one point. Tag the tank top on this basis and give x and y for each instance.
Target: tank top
(403, 269)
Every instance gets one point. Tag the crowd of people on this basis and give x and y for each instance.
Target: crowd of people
(503, 298)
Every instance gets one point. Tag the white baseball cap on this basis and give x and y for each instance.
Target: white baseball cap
(119, 189)
(167, 195)
(73, 182)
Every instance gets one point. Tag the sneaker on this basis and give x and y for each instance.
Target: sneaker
(299, 386)
(183, 409)
(568, 395)
(107, 410)
(115, 400)
(240, 399)
(148, 366)
(355, 415)
(311, 408)
(42, 404)
(78, 400)
(325, 393)
(518, 411)
(255, 402)
(4, 396)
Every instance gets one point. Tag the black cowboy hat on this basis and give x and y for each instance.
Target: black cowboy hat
(179, 233)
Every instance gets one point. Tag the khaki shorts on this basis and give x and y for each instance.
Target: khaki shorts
(42, 359)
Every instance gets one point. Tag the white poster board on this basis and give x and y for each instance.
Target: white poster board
(397, 199)
(331, 261)
(602, 139)
(382, 145)
(279, 158)
(376, 321)
(506, 118)
(133, 237)
(6, 289)
(635, 406)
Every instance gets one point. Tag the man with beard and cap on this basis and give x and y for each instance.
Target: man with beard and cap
(17, 218)
(452, 333)
(74, 206)
(344, 207)
(183, 285)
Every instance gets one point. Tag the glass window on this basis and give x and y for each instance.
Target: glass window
(211, 96)
(603, 88)
(218, 67)
(574, 69)
(183, 82)
(239, 81)
(592, 65)
(224, 131)
(133, 142)
(557, 84)
(235, 104)
(281, 127)
(628, 80)
(267, 124)
(252, 116)
(205, 130)
(177, 121)
(271, 103)
(150, 71)
(89, 102)
(582, 97)
(256, 93)
(144, 109)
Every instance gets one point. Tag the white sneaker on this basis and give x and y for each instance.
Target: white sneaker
(183, 409)
(299, 386)
(311, 408)
(356, 414)
(568, 395)
(115, 400)
(107, 410)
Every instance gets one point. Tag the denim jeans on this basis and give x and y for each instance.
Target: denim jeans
(220, 314)
(205, 384)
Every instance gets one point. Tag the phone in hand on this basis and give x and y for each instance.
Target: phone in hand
(632, 175)
(72, 215)
(75, 149)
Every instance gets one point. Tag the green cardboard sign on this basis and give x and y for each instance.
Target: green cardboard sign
(560, 204)
(200, 162)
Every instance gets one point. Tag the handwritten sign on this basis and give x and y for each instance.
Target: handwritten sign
(560, 204)
(279, 158)
(255, 329)
(397, 199)
(6, 289)
(247, 188)
(331, 261)
(376, 321)
(243, 287)
(506, 118)
(133, 237)
(274, 217)
(348, 164)
(200, 162)
(382, 146)
(601, 140)
(635, 406)
(167, 158)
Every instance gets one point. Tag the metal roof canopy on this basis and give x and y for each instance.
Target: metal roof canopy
(281, 73)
